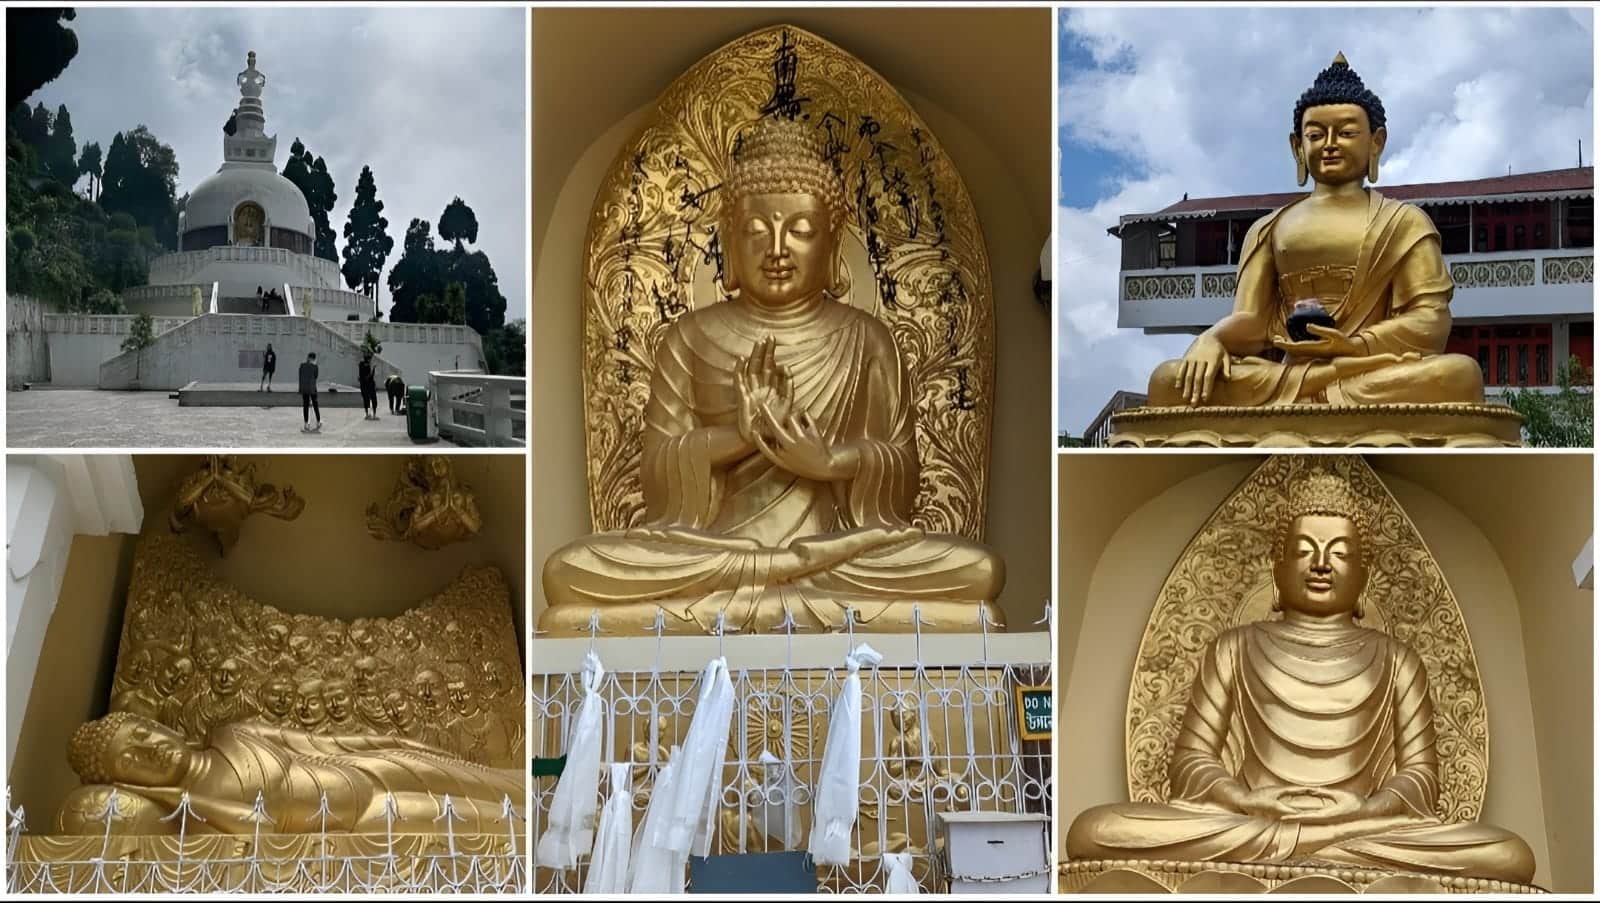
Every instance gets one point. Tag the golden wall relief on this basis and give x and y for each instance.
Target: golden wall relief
(197, 653)
(1224, 579)
(428, 507)
(912, 248)
(220, 495)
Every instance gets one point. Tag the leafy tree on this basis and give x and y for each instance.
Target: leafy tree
(455, 304)
(1560, 419)
(61, 151)
(103, 301)
(141, 179)
(458, 222)
(429, 309)
(506, 349)
(371, 343)
(419, 272)
(140, 337)
(89, 163)
(367, 242)
(311, 175)
(486, 306)
(38, 48)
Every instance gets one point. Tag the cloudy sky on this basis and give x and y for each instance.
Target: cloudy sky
(433, 100)
(1158, 102)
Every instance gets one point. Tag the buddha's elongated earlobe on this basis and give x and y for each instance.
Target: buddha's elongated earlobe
(1372, 166)
(839, 284)
(730, 283)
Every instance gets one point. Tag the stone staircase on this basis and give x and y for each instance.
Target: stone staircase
(247, 304)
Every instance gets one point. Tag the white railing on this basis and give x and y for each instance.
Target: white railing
(324, 862)
(472, 408)
(216, 287)
(288, 299)
(939, 733)
(313, 296)
(105, 324)
(177, 267)
(1499, 269)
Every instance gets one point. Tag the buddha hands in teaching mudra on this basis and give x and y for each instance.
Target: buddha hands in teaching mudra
(1343, 296)
(149, 768)
(780, 464)
(1337, 751)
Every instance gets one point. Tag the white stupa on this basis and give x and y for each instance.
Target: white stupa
(244, 227)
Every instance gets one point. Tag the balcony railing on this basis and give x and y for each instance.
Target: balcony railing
(169, 268)
(1503, 269)
(478, 409)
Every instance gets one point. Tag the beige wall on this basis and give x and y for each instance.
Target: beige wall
(322, 563)
(578, 133)
(1518, 611)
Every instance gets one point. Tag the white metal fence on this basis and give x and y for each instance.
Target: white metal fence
(266, 863)
(935, 738)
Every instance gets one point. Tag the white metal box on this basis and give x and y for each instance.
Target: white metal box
(996, 852)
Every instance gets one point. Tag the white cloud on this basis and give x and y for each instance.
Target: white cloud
(1200, 100)
(433, 99)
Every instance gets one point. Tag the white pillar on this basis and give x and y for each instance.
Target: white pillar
(49, 500)
(1583, 566)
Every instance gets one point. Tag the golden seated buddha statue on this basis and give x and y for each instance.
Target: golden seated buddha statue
(780, 457)
(1329, 726)
(1342, 306)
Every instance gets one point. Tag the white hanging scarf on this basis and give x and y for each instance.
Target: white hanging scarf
(838, 795)
(686, 827)
(899, 880)
(572, 810)
(613, 840)
(653, 869)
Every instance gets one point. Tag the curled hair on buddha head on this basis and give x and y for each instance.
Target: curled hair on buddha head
(1340, 84)
(91, 742)
(785, 156)
(1326, 493)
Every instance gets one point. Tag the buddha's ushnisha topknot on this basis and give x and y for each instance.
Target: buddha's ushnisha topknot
(1340, 84)
(783, 156)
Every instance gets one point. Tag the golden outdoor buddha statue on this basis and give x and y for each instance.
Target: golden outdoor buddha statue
(150, 767)
(1330, 724)
(1372, 264)
(780, 457)
(1342, 299)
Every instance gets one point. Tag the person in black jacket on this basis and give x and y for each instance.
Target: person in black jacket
(367, 378)
(308, 393)
(397, 392)
(269, 365)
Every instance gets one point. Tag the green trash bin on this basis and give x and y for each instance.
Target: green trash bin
(417, 413)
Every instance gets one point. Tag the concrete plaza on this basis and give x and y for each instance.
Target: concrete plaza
(90, 418)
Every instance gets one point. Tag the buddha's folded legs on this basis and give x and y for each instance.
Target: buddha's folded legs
(627, 579)
(1381, 379)
(1193, 834)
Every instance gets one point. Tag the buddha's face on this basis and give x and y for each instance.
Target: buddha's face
(276, 635)
(209, 656)
(225, 679)
(277, 697)
(460, 696)
(1319, 569)
(366, 674)
(336, 696)
(332, 640)
(780, 247)
(1337, 141)
(144, 753)
(309, 708)
(174, 675)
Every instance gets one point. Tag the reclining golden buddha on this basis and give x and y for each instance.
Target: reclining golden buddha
(780, 458)
(1329, 724)
(1342, 301)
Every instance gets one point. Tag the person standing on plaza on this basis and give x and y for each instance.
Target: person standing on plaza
(308, 393)
(269, 366)
(368, 380)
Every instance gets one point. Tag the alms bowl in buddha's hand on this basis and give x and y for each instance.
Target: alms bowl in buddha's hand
(1306, 313)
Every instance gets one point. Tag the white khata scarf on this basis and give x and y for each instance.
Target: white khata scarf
(613, 841)
(572, 810)
(838, 795)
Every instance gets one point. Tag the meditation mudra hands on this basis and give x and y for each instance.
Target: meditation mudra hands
(1308, 805)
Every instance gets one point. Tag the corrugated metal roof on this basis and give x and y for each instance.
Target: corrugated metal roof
(1577, 182)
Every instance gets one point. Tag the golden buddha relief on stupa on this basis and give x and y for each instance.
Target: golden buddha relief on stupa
(788, 361)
